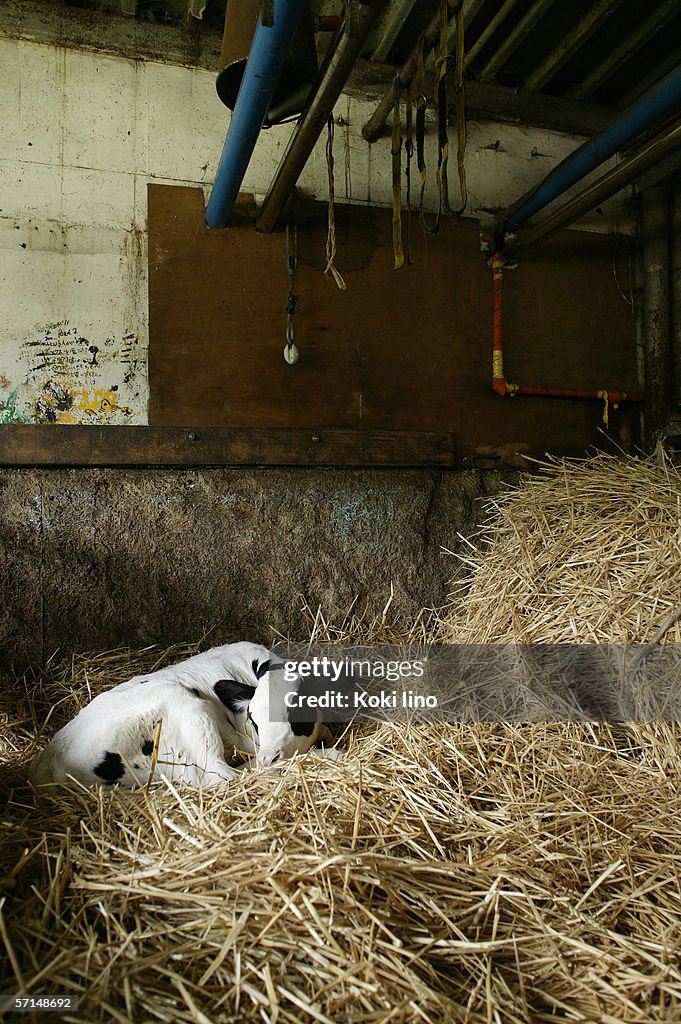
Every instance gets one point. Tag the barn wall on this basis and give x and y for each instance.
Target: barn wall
(94, 559)
(82, 134)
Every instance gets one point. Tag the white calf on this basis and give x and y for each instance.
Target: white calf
(180, 722)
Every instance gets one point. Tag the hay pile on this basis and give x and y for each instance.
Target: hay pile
(586, 552)
(487, 873)
(482, 873)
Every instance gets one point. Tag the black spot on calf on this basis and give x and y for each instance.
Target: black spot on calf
(111, 769)
(148, 747)
(260, 670)
(233, 695)
(302, 728)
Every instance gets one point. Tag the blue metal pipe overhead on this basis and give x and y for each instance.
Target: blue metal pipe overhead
(263, 69)
(624, 129)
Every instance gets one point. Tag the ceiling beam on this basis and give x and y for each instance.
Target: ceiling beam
(570, 44)
(673, 60)
(388, 28)
(498, 103)
(495, 23)
(537, 12)
(485, 102)
(626, 50)
(471, 9)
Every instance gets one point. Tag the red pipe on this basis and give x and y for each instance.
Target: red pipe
(499, 382)
(612, 396)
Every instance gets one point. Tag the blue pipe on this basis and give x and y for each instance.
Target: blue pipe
(265, 63)
(635, 119)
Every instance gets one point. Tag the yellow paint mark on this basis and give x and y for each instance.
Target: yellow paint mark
(97, 403)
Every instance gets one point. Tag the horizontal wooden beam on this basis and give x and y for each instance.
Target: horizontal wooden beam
(66, 445)
(489, 102)
(500, 103)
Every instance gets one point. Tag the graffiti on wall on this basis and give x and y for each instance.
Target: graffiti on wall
(66, 377)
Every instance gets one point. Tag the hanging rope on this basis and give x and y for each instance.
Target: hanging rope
(331, 230)
(397, 177)
(291, 352)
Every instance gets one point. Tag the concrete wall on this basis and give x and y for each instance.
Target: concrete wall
(82, 133)
(93, 559)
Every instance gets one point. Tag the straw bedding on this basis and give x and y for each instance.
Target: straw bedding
(483, 873)
(583, 551)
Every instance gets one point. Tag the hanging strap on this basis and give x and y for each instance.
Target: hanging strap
(460, 110)
(440, 94)
(440, 100)
(397, 177)
(331, 231)
(421, 138)
(409, 150)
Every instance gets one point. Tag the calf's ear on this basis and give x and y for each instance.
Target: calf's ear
(260, 670)
(235, 696)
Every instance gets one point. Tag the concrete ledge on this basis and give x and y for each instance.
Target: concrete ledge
(195, 46)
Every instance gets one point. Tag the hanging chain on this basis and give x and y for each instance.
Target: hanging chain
(290, 349)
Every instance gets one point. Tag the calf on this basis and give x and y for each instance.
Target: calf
(180, 722)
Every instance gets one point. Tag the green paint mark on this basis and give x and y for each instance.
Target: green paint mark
(9, 412)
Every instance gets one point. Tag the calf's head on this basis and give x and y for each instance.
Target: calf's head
(275, 734)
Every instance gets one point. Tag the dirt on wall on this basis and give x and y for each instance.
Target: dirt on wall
(93, 559)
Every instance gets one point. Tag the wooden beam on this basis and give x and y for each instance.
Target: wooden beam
(66, 445)
(487, 102)
(499, 103)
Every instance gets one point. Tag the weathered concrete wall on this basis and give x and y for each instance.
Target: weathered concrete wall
(91, 559)
(82, 134)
